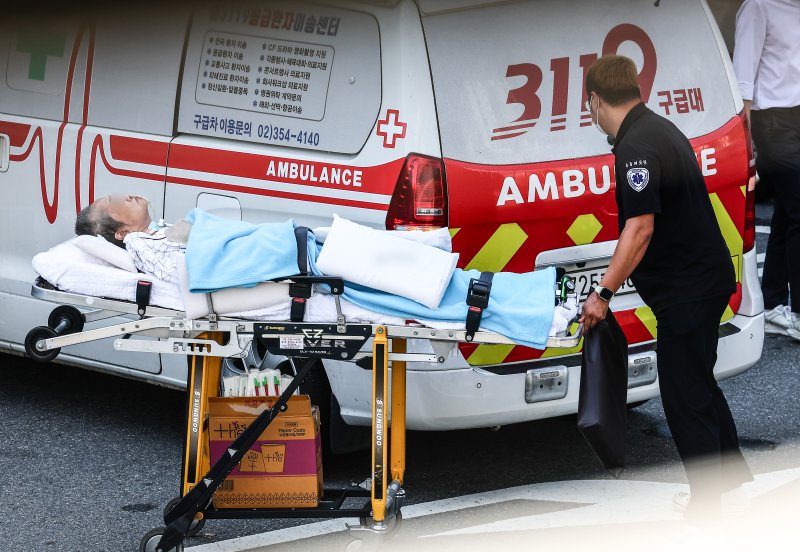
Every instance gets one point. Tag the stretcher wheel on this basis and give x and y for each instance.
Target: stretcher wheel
(195, 527)
(34, 336)
(68, 318)
(151, 539)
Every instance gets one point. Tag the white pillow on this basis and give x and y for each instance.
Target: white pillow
(99, 247)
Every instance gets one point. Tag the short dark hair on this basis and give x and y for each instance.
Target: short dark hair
(98, 224)
(613, 78)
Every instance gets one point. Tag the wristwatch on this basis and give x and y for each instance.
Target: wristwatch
(604, 293)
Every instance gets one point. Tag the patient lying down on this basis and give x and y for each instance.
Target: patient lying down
(386, 272)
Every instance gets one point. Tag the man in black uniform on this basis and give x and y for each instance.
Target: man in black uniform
(671, 246)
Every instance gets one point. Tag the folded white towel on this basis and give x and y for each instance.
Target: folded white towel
(385, 262)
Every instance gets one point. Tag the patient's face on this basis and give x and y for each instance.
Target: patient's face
(130, 210)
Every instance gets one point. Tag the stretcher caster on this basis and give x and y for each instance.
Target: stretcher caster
(63, 320)
(150, 540)
(35, 339)
(196, 525)
(66, 319)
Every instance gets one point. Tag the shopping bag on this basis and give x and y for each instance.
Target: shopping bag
(603, 394)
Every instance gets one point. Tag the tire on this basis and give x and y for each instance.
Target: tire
(316, 386)
(337, 436)
(69, 314)
(151, 539)
(637, 404)
(34, 336)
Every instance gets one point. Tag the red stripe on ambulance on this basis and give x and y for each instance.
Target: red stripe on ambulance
(137, 150)
(17, 132)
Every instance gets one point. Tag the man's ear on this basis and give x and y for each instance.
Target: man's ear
(120, 234)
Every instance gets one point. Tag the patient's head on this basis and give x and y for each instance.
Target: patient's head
(114, 217)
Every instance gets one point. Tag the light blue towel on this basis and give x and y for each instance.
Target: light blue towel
(520, 305)
(224, 253)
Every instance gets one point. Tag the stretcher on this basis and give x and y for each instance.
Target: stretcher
(207, 341)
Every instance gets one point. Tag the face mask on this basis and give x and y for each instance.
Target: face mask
(596, 121)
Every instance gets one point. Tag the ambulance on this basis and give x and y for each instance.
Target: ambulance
(397, 114)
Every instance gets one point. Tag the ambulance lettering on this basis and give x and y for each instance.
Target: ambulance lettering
(312, 172)
(574, 183)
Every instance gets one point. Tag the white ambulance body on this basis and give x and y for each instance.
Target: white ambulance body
(397, 114)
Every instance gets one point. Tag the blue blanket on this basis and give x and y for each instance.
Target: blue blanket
(520, 305)
(224, 253)
(227, 253)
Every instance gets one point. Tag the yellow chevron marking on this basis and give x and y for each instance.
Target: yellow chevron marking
(584, 229)
(731, 234)
(453, 232)
(727, 315)
(646, 316)
(489, 354)
(495, 253)
(737, 261)
(744, 190)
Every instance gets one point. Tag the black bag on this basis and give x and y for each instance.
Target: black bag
(603, 394)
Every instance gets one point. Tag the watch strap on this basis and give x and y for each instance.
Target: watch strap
(603, 292)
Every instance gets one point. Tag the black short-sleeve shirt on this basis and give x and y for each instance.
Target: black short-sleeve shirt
(657, 172)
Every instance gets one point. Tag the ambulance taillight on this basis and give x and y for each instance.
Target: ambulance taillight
(750, 194)
(419, 200)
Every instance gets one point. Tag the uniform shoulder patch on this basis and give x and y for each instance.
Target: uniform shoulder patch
(638, 178)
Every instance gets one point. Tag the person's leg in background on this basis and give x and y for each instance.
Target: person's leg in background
(776, 134)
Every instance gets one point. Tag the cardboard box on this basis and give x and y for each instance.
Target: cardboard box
(283, 468)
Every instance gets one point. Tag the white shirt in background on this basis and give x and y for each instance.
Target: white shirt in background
(766, 55)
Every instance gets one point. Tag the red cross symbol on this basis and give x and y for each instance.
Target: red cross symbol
(391, 128)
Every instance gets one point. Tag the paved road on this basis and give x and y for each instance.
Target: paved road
(90, 460)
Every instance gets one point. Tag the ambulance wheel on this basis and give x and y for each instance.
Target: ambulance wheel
(69, 315)
(338, 438)
(34, 336)
(195, 527)
(318, 388)
(151, 539)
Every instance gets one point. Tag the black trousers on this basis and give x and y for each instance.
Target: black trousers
(776, 135)
(695, 407)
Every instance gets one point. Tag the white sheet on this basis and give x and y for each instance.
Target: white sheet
(72, 269)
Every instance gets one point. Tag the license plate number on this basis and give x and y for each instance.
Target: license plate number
(586, 279)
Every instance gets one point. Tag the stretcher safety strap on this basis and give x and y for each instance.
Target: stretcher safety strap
(477, 300)
(300, 292)
(143, 288)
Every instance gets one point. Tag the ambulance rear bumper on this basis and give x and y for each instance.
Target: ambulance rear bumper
(469, 397)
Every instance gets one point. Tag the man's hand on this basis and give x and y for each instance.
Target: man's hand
(594, 310)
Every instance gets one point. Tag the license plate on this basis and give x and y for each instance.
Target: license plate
(585, 279)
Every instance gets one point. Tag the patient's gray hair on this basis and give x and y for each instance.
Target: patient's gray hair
(98, 223)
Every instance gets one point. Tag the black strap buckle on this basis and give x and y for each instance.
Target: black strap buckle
(143, 288)
(477, 300)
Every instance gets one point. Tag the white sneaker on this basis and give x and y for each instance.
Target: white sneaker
(793, 330)
(778, 320)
